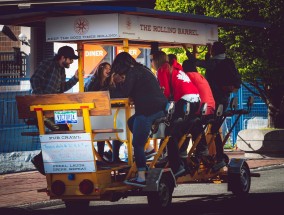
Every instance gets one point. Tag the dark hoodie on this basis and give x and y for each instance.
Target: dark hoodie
(142, 86)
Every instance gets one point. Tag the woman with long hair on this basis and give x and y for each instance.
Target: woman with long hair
(102, 81)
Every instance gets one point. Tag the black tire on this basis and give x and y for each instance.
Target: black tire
(240, 183)
(77, 205)
(163, 197)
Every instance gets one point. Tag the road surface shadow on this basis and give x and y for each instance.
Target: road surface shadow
(255, 203)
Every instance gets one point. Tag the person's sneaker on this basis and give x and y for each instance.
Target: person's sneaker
(163, 159)
(107, 156)
(150, 153)
(37, 161)
(180, 171)
(134, 182)
(218, 165)
(105, 161)
(183, 154)
(202, 153)
(49, 123)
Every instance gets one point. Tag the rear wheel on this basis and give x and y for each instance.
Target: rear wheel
(163, 197)
(240, 183)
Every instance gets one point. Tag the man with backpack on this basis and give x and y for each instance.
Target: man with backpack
(221, 73)
(223, 78)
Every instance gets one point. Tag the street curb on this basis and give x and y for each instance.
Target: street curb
(39, 205)
(263, 168)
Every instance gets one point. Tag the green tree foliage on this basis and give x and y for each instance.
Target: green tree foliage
(172, 5)
(258, 52)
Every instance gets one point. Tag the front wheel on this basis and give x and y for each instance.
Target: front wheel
(240, 183)
(163, 197)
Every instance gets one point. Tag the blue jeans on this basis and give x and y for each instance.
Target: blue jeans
(140, 126)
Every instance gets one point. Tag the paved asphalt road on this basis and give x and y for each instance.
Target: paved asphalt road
(266, 197)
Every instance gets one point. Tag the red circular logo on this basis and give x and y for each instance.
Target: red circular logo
(81, 25)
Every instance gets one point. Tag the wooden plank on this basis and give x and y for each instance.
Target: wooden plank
(107, 130)
(100, 98)
(35, 133)
(95, 131)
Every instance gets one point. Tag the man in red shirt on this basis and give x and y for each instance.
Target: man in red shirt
(202, 85)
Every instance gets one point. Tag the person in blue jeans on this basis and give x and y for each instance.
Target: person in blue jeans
(149, 101)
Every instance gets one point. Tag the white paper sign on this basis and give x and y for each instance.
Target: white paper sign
(67, 153)
(73, 28)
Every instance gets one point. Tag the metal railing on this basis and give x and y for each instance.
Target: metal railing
(11, 127)
(12, 66)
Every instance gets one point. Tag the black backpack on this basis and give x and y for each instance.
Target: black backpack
(226, 73)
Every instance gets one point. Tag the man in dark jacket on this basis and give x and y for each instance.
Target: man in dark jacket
(223, 78)
(50, 78)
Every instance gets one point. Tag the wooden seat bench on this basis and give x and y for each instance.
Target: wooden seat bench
(100, 99)
(94, 131)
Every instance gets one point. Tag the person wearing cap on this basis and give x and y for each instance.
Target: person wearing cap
(50, 78)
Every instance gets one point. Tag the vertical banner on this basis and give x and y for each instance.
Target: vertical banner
(93, 55)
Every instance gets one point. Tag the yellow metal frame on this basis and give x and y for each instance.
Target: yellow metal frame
(77, 106)
(101, 178)
(103, 175)
(81, 66)
(128, 142)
